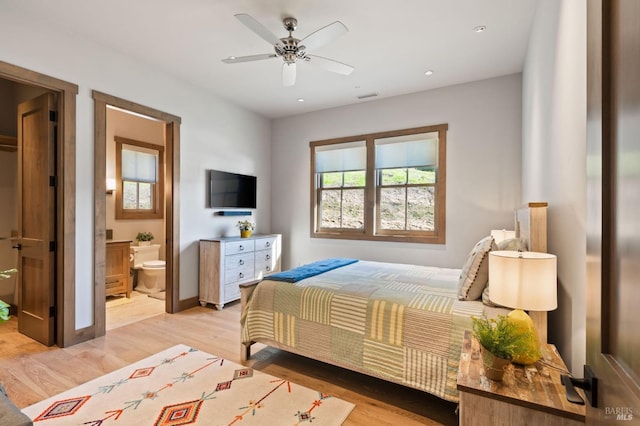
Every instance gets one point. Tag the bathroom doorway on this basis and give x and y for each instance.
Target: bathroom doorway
(120, 123)
(135, 224)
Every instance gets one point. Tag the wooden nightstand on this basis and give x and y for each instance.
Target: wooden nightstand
(531, 395)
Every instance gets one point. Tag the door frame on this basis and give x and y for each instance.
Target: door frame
(65, 234)
(172, 208)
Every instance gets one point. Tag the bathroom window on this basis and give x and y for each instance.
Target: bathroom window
(139, 179)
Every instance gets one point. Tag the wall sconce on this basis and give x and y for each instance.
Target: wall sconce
(111, 185)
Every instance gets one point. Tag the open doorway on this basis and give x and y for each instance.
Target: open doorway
(135, 220)
(109, 110)
(56, 275)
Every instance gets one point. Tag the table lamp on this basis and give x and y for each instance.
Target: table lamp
(524, 281)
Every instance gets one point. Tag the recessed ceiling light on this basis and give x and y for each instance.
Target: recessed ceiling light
(428, 72)
(480, 28)
(300, 100)
(232, 57)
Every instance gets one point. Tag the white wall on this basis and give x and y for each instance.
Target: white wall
(214, 134)
(554, 157)
(483, 168)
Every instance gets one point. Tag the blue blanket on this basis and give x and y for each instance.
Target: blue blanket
(311, 269)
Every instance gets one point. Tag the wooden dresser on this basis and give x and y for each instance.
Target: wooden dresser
(227, 262)
(527, 395)
(117, 268)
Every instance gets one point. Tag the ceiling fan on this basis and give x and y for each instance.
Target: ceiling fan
(292, 49)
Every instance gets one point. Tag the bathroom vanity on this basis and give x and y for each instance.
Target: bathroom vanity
(117, 268)
(227, 262)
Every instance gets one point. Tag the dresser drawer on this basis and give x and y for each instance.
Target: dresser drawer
(231, 292)
(267, 243)
(236, 247)
(239, 275)
(238, 261)
(265, 263)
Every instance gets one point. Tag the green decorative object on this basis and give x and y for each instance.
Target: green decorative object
(144, 237)
(4, 311)
(4, 307)
(504, 339)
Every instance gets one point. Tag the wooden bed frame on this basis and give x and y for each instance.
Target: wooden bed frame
(530, 224)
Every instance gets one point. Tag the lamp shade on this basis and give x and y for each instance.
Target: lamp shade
(523, 280)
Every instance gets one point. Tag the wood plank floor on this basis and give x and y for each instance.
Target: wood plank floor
(32, 372)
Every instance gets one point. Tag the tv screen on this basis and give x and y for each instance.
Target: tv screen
(229, 190)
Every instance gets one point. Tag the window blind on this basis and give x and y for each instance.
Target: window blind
(407, 151)
(139, 164)
(341, 157)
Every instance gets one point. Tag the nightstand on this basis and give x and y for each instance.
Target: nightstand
(532, 395)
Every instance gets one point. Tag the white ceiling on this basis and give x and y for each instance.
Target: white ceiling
(391, 43)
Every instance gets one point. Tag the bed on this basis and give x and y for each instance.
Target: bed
(401, 323)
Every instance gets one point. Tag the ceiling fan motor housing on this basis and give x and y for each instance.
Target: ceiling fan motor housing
(290, 24)
(290, 50)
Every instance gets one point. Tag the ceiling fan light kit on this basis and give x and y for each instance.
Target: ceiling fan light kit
(292, 49)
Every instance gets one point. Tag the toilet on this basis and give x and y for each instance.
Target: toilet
(148, 268)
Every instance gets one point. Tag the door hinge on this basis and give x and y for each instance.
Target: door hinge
(52, 311)
(53, 246)
(53, 116)
(53, 181)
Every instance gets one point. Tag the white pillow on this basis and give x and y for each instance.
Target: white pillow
(475, 272)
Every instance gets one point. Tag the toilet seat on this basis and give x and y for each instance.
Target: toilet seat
(154, 264)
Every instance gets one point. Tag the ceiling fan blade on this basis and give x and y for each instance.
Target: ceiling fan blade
(238, 59)
(323, 36)
(259, 29)
(330, 64)
(288, 74)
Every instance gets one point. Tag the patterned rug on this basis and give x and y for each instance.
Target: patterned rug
(183, 386)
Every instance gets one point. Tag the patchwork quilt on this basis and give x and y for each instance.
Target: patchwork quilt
(401, 323)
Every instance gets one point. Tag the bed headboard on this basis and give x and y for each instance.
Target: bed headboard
(531, 224)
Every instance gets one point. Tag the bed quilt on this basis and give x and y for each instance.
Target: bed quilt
(401, 323)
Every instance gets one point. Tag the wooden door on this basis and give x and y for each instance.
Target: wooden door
(36, 218)
(613, 209)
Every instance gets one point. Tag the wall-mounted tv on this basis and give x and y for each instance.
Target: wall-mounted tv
(231, 190)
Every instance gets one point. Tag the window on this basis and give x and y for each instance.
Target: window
(386, 186)
(139, 179)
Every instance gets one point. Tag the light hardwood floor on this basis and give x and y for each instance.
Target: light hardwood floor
(32, 372)
(121, 310)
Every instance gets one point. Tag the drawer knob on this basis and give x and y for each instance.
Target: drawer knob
(268, 244)
(267, 257)
(241, 248)
(268, 268)
(241, 275)
(241, 262)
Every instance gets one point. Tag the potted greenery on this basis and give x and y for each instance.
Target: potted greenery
(501, 341)
(4, 307)
(246, 226)
(144, 238)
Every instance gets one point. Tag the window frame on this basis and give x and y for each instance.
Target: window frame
(157, 189)
(371, 230)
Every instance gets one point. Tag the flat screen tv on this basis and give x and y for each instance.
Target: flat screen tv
(231, 190)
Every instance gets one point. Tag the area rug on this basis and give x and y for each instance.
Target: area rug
(184, 386)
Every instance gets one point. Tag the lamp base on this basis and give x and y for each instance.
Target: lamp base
(524, 324)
